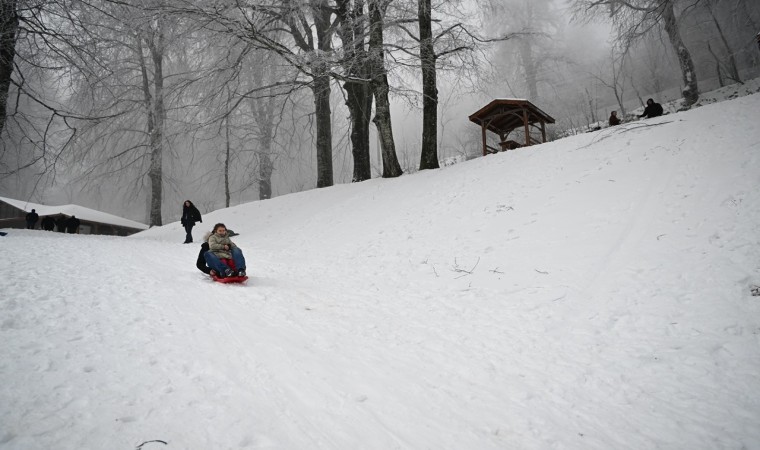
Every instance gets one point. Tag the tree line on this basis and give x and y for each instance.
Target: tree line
(136, 93)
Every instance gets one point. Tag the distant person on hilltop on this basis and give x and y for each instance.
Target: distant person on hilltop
(31, 219)
(72, 225)
(48, 223)
(190, 215)
(60, 224)
(614, 119)
(652, 109)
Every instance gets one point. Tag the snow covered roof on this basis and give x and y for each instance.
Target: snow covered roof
(81, 212)
(500, 114)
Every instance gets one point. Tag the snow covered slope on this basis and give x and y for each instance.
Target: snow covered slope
(589, 293)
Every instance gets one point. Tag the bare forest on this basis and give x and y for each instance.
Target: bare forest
(134, 106)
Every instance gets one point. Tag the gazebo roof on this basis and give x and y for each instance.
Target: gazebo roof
(506, 114)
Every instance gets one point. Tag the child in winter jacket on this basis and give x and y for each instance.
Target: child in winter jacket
(220, 246)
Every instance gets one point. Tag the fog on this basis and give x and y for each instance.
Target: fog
(77, 125)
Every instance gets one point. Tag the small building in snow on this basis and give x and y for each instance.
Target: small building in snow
(13, 215)
(505, 115)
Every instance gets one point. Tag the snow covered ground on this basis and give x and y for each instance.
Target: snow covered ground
(589, 293)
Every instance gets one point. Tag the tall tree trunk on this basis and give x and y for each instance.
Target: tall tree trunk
(262, 110)
(733, 71)
(156, 113)
(380, 89)
(319, 71)
(227, 159)
(321, 89)
(529, 66)
(263, 113)
(156, 139)
(429, 155)
(8, 29)
(359, 103)
(266, 167)
(358, 92)
(691, 89)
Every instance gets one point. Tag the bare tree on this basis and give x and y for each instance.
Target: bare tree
(135, 86)
(429, 154)
(634, 19)
(729, 67)
(152, 37)
(381, 88)
(352, 31)
(9, 23)
(532, 24)
(439, 44)
(264, 75)
(615, 80)
(315, 41)
(39, 42)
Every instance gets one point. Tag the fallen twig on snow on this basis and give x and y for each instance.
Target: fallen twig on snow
(622, 129)
(467, 272)
(148, 442)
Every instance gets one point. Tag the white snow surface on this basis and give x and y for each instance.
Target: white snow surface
(589, 293)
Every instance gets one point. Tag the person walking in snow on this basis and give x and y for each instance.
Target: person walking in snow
(31, 219)
(190, 215)
(652, 109)
(221, 247)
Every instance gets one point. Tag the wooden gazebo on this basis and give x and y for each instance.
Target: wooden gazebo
(502, 116)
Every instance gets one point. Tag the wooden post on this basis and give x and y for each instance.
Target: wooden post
(543, 130)
(483, 132)
(527, 128)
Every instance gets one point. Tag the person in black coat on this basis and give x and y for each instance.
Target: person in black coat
(614, 119)
(31, 219)
(72, 225)
(48, 223)
(190, 215)
(60, 224)
(652, 110)
(201, 262)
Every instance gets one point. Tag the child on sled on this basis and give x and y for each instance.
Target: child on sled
(220, 247)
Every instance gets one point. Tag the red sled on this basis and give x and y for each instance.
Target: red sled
(231, 264)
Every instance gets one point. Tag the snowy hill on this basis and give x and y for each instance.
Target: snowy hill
(589, 293)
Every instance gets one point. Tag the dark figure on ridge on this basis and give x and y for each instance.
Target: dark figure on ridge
(31, 219)
(652, 110)
(614, 119)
